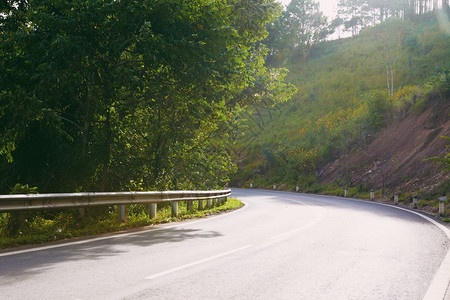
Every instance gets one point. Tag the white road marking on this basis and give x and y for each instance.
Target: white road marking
(319, 216)
(119, 235)
(310, 224)
(196, 262)
(440, 283)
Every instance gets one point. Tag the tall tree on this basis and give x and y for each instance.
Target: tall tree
(120, 93)
(306, 25)
(355, 14)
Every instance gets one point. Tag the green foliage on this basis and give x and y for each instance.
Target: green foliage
(306, 26)
(295, 157)
(15, 222)
(419, 106)
(378, 107)
(356, 15)
(117, 95)
(68, 224)
(444, 160)
(301, 27)
(342, 97)
(23, 189)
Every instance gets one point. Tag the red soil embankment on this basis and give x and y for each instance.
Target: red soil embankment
(395, 158)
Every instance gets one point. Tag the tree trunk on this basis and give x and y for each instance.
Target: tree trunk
(387, 79)
(87, 121)
(392, 78)
(107, 157)
(389, 70)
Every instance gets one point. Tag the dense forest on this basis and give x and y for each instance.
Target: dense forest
(128, 95)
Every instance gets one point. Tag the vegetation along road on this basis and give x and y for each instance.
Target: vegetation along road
(176, 95)
(279, 246)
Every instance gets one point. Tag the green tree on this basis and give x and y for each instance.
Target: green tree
(378, 108)
(306, 25)
(443, 160)
(124, 94)
(354, 13)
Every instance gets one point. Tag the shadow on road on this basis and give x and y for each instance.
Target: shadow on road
(34, 262)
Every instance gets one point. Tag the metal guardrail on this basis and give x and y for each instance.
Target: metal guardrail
(80, 200)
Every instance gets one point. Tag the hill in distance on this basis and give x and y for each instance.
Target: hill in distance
(344, 128)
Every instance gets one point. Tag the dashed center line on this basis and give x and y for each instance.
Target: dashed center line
(318, 217)
(295, 230)
(196, 262)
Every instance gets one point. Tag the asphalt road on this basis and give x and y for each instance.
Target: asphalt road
(279, 246)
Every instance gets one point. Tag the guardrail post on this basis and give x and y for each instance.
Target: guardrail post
(346, 192)
(123, 209)
(121, 199)
(190, 205)
(372, 195)
(251, 185)
(208, 203)
(442, 205)
(225, 199)
(82, 211)
(175, 209)
(200, 205)
(297, 188)
(153, 208)
(274, 186)
(396, 198)
(214, 202)
(415, 199)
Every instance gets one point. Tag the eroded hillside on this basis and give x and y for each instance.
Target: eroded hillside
(395, 158)
(352, 124)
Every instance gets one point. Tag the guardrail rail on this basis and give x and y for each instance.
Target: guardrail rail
(82, 200)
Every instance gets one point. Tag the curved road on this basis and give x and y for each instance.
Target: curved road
(279, 246)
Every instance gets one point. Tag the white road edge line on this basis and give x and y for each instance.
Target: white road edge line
(196, 262)
(119, 235)
(439, 284)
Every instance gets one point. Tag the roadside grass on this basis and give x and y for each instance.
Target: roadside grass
(42, 227)
(428, 202)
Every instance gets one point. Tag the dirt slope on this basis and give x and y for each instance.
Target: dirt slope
(395, 157)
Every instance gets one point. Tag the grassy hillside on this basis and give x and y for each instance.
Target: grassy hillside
(343, 100)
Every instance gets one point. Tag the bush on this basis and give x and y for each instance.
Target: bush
(44, 226)
(419, 106)
(378, 108)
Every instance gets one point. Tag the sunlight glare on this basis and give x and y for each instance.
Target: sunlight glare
(443, 21)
